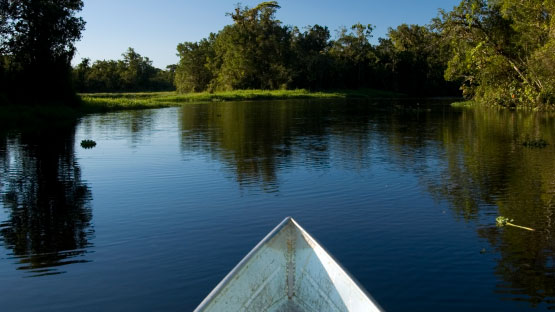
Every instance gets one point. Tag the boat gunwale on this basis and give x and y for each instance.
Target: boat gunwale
(353, 279)
(221, 285)
(218, 289)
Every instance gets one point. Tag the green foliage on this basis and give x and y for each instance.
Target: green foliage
(192, 73)
(414, 58)
(133, 73)
(113, 101)
(502, 221)
(37, 43)
(502, 50)
(252, 52)
(354, 56)
(43, 32)
(87, 144)
(136, 70)
(311, 66)
(257, 52)
(464, 104)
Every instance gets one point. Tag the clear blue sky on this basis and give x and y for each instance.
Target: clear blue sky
(155, 27)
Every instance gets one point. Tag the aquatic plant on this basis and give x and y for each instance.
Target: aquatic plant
(502, 221)
(535, 143)
(88, 144)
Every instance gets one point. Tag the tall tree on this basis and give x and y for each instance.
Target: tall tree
(133, 73)
(81, 74)
(4, 26)
(39, 36)
(137, 70)
(192, 74)
(420, 56)
(354, 55)
(258, 52)
(252, 52)
(501, 49)
(104, 76)
(311, 65)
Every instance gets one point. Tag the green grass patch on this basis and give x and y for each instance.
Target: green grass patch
(494, 105)
(13, 116)
(464, 104)
(92, 104)
(113, 101)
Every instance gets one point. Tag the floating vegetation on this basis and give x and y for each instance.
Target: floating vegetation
(503, 221)
(464, 104)
(88, 144)
(539, 143)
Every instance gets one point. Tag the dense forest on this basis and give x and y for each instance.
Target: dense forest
(37, 44)
(499, 52)
(133, 73)
(502, 51)
(258, 52)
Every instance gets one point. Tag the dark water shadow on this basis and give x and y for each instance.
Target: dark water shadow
(47, 204)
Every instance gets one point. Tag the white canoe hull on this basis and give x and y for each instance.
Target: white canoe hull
(288, 271)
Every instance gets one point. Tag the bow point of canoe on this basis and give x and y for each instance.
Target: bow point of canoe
(288, 271)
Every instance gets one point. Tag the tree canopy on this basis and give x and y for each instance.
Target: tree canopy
(257, 51)
(502, 50)
(132, 73)
(37, 40)
(498, 52)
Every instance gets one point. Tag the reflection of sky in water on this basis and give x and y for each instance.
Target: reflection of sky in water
(3, 212)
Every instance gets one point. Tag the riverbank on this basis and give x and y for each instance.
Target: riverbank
(36, 116)
(475, 104)
(115, 101)
(32, 115)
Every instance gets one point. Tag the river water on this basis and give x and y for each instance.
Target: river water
(404, 194)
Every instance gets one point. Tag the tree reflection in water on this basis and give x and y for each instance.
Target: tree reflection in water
(47, 203)
(488, 172)
(474, 159)
(256, 140)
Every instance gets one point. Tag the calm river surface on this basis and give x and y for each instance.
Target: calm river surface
(170, 200)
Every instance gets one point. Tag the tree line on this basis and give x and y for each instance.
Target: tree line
(37, 43)
(502, 51)
(133, 73)
(498, 52)
(257, 51)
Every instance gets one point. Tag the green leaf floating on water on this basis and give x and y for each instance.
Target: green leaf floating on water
(502, 221)
(88, 144)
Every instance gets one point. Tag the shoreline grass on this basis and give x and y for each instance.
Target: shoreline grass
(16, 115)
(140, 100)
(473, 104)
(464, 104)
